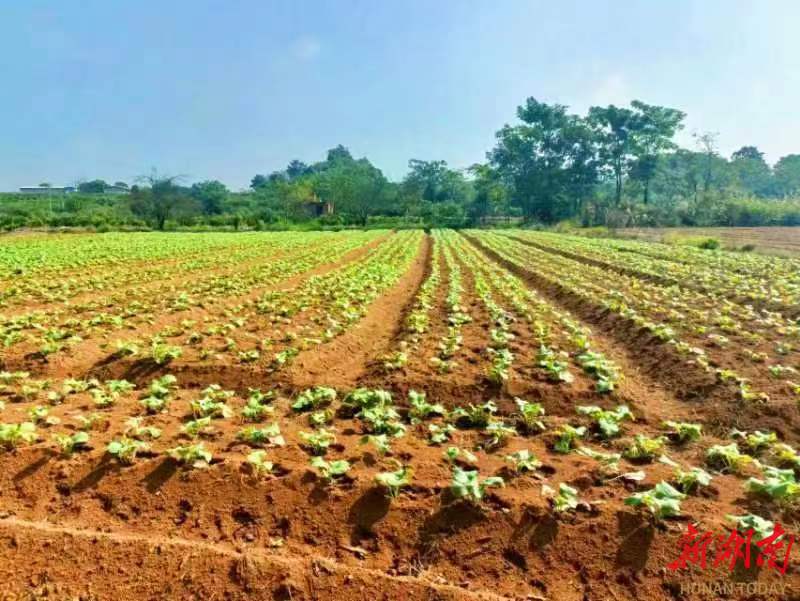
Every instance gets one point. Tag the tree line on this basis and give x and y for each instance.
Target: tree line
(615, 166)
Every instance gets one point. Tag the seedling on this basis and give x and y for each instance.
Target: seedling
(268, 435)
(257, 460)
(467, 485)
(529, 415)
(379, 441)
(778, 484)
(727, 458)
(135, 429)
(125, 449)
(682, 432)
(644, 448)
(476, 416)
(498, 434)
(330, 470)
(523, 461)
(565, 500)
(452, 454)
(197, 427)
(318, 441)
(394, 481)
(420, 408)
(691, 479)
(663, 500)
(11, 435)
(755, 441)
(761, 528)
(607, 422)
(566, 436)
(67, 443)
(195, 455)
(555, 364)
(314, 398)
(440, 434)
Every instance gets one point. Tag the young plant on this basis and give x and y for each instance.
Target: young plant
(663, 500)
(195, 455)
(566, 436)
(644, 448)
(565, 500)
(164, 353)
(453, 454)
(555, 364)
(319, 441)
(255, 411)
(394, 481)
(135, 429)
(321, 418)
(529, 416)
(440, 434)
(501, 363)
(466, 484)
(332, 470)
(523, 461)
(607, 422)
(12, 435)
(755, 441)
(197, 427)
(257, 436)
(379, 441)
(761, 528)
(69, 443)
(497, 434)
(475, 416)
(727, 458)
(313, 398)
(691, 479)
(257, 460)
(778, 484)
(682, 432)
(125, 449)
(420, 409)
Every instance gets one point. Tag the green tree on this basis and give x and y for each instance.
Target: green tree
(752, 171)
(787, 175)
(653, 130)
(548, 161)
(159, 198)
(96, 186)
(211, 195)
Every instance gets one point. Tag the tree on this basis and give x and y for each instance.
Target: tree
(297, 169)
(158, 198)
(355, 189)
(258, 181)
(653, 130)
(121, 185)
(752, 171)
(549, 161)
(615, 129)
(787, 175)
(211, 195)
(490, 194)
(338, 154)
(96, 186)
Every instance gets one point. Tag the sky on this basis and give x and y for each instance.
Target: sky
(226, 89)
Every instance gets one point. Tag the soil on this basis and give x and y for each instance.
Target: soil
(86, 527)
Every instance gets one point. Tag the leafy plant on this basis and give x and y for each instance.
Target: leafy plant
(68, 443)
(497, 434)
(312, 398)
(164, 353)
(330, 470)
(644, 448)
(778, 484)
(394, 481)
(502, 360)
(663, 500)
(125, 449)
(476, 416)
(529, 415)
(761, 528)
(420, 409)
(523, 461)
(197, 427)
(755, 441)
(566, 436)
(257, 460)
(194, 455)
(683, 432)
(554, 364)
(727, 457)
(318, 441)
(11, 435)
(267, 435)
(565, 500)
(440, 434)
(691, 479)
(452, 454)
(466, 484)
(607, 421)
(135, 429)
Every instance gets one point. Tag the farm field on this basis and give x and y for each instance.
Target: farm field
(455, 415)
(772, 240)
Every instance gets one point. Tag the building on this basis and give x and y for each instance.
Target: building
(47, 190)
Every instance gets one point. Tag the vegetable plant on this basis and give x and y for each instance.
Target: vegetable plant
(467, 484)
(663, 500)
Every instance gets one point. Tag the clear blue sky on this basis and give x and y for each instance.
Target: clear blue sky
(227, 89)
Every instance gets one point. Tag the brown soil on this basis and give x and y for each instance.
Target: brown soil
(85, 527)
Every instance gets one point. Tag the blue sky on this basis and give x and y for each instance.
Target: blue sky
(227, 89)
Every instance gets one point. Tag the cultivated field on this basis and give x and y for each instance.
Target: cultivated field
(391, 415)
(772, 240)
